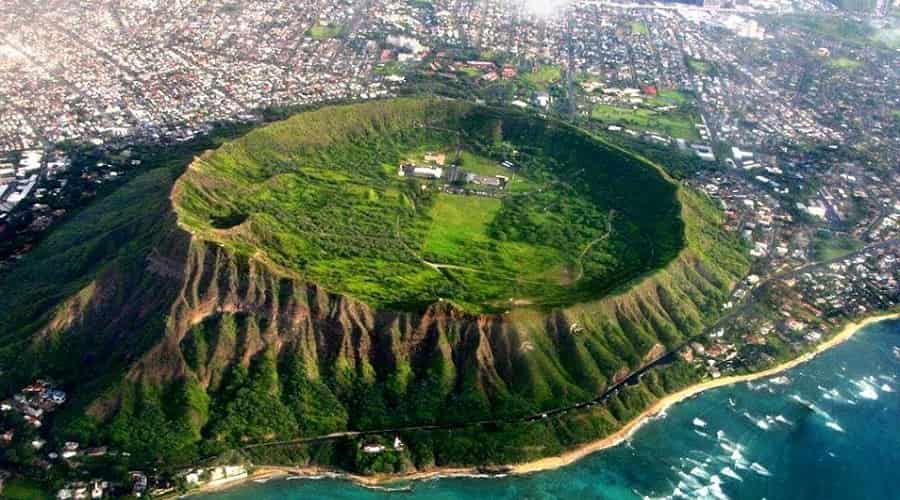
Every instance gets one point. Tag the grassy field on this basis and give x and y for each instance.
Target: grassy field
(20, 489)
(325, 31)
(828, 247)
(458, 221)
(844, 63)
(843, 29)
(336, 212)
(673, 123)
(889, 37)
(546, 75)
(699, 66)
(670, 97)
(639, 28)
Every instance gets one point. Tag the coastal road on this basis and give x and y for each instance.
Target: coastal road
(631, 379)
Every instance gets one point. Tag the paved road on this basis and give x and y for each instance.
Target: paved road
(631, 379)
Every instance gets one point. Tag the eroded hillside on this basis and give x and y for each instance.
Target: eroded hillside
(180, 344)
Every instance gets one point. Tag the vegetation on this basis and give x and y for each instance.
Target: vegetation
(845, 29)
(844, 63)
(20, 489)
(543, 76)
(321, 31)
(828, 246)
(699, 66)
(333, 209)
(179, 346)
(673, 123)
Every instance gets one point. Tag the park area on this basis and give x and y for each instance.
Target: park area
(674, 123)
(365, 201)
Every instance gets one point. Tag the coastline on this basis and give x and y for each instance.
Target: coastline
(663, 404)
(263, 473)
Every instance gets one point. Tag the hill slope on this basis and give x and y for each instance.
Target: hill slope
(183, 343)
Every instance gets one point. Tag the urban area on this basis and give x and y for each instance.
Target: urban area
(786, 113)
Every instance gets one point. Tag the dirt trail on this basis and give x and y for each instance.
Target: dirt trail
(587, 248)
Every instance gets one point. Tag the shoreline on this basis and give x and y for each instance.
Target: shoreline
(566, 458)
(666, 402)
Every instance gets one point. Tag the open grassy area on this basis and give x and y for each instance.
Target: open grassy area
(699, 66)
(843, 29)
(670, 97)
(673, 123)
(828, 247)
(544, 76)
(639, 28)
(336, 212)
(458, 221)
(889, 37)
(325, 31)
(844, 63)
(20, 489)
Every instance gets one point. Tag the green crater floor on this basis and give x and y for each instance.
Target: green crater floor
(320, 195)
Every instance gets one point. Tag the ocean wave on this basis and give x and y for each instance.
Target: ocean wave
(814, 407)
(689, 480)
(699, 422)
(715, 490)
(762, 423)
(866, 389)
(313, 477)
(757, 387)
(780, 380)
(737, 458)
(728, 472)
(783, 420)
(759, 469)
(886, 388)
(831, 424)
(693, 461)
(466, 475)
(701, 433)
(699, 472)
(388, 489)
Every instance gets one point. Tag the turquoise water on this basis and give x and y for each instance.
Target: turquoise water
(828, 429)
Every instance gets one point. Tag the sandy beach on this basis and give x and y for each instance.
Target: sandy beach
(846, 332)
(625, 432)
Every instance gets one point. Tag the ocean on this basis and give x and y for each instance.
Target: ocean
(827, 429)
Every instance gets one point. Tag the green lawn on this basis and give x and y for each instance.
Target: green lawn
(827, 247)
(461, 238)
(544, 76)
(389, 68)
(480, 165)
(471, 72)
(20, 489)
(457, 222)
(670, 97)
(325, 31)
(673, 123)
(699, 66)
(639, 28)
(844, 63)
